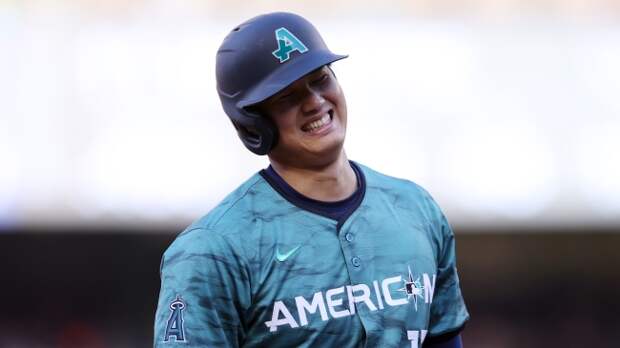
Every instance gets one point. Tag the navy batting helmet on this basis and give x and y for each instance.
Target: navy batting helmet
(259, 58)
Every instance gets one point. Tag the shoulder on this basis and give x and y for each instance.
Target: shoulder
(235, 202)
(407, 200)
(253, 200)
(218, 230)
(398, 189)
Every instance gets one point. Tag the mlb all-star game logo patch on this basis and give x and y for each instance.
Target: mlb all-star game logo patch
(413, 288)
(174, 327)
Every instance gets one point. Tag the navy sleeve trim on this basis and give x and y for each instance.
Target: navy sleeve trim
(444, 337)
(454, 342)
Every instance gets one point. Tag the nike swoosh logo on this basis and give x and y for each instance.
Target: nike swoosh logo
(282, 257)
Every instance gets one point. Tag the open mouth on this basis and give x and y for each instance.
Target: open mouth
(320, 124)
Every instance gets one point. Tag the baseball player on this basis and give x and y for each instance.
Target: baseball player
(315, 250)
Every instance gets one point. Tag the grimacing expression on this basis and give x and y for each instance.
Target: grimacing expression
(311, 117)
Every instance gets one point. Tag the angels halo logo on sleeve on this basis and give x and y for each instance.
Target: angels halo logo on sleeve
(174, 327)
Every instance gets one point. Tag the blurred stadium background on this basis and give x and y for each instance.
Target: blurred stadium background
(112, 140)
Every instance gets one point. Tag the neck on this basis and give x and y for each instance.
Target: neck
(331, 182)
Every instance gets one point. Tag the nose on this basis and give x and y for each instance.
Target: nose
(313, 102)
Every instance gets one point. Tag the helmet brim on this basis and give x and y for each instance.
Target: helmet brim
(287, 74)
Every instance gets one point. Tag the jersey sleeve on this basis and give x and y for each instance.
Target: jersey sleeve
(204, 293)
(448, 311)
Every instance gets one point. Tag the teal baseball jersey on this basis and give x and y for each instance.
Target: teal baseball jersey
(264, 270)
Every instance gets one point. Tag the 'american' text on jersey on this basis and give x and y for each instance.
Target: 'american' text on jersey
(330, 303)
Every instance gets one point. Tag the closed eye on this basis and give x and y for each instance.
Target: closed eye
(284, 96)
(320, 80)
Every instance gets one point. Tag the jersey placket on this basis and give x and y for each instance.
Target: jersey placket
(363, 297)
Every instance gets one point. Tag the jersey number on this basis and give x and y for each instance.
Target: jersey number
(416, 337)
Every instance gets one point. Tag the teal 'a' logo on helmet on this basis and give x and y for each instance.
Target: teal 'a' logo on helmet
(287, 43)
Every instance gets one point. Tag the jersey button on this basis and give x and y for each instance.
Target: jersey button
(356, 261)
(349, 237)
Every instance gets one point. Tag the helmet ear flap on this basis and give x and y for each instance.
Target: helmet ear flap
(260, 137)
(248, 134)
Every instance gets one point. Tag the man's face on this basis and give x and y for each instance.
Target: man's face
(311, 116)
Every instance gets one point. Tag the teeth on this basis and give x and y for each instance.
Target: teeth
(317, 124)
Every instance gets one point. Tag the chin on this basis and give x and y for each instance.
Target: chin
(326, 154)
(315, 153)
